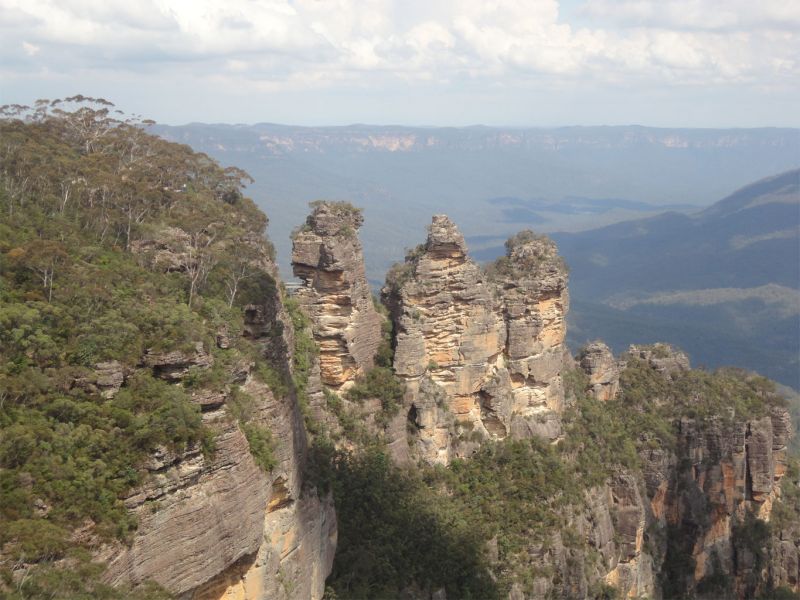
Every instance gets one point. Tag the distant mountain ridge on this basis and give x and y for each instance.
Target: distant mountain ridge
(661, 253)
(723, 283)
(287, 139)
(402, 175)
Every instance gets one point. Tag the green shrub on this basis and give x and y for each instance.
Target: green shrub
(381, 383)
(262, 447)
(34, 540)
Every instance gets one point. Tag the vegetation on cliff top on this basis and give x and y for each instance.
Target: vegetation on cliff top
(113, 243)
(526, 253)
(349, 215)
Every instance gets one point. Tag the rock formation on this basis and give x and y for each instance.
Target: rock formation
(327, 257)
(599, 364)
(721, 471)
(189, 503)
(662, 357)
(213, 526)
(296, 528)
(492, 343)
(481, 353)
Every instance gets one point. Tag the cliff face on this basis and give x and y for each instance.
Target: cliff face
(191, 503)
(605, 544)
(481, 353)
(721, 473)
(216, 525)
(481, 356)
(296, 530)
(690, 519)
(327, 257)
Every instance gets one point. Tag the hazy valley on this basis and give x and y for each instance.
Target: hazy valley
(627, 279)
(492, 181)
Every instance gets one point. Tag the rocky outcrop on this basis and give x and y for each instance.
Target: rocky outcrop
(175, 365)
(196, 515)
(700, 490)
(617, 531)
(166, 250)
(602, 368)
(327, 257)
(213, 524)
(218, 527)
(105, 379)
(662, 357)
(296, 528)
(493, 343)
(722, 472)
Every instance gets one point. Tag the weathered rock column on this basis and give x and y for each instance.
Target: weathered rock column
(490, 345)
(598, 362)
(531, 281)
(327, 257)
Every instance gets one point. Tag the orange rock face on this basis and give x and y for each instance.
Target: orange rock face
(493, 342)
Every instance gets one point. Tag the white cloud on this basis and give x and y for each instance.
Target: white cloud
(30, 49)
(377, 44)
(725, 15)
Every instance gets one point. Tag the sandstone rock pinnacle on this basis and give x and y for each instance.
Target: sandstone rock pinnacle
(327, 257)
(599, 364)
(491, 342)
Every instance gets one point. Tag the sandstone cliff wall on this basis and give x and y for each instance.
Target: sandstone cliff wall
(481, 353)
(688, 521)
(215, 525)
(699, 493)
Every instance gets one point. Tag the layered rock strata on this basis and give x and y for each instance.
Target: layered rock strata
(327, 257)
(481, 354)
(215, 525)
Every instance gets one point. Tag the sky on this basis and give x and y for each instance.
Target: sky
(669, 63)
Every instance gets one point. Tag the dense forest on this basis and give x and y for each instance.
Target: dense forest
(80, 293)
